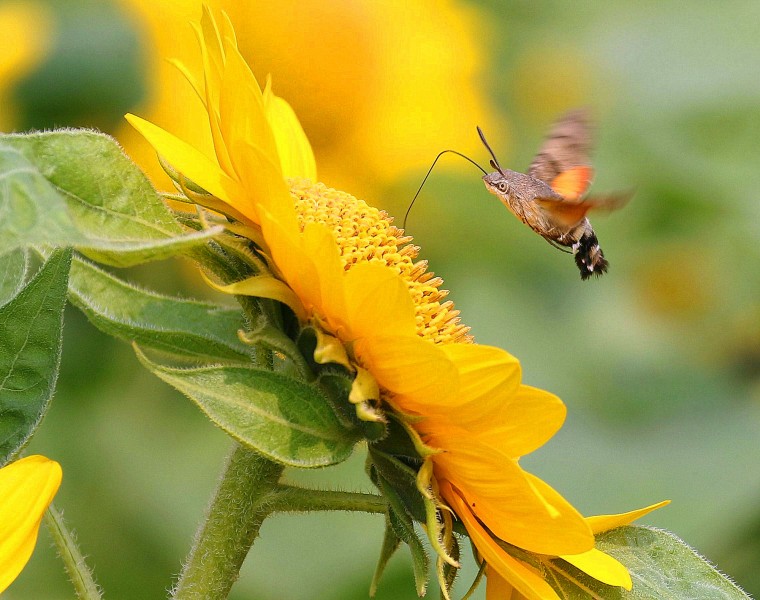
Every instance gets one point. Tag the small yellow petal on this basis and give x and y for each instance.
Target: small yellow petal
(330, 350)
(602, 523)
(601, 567)
(27, 487)
(364, 387)
(263, 286)
(192, 163)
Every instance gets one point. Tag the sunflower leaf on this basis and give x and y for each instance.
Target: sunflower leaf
(286, 420)
(661, 566)
(77, 188)
(31, 325)
(182, 328)
(13, 268)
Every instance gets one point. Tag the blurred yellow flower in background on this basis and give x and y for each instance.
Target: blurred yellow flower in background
(26, 30)
(339, 62)
(27, 487)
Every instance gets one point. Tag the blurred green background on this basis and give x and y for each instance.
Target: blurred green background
(658, 361)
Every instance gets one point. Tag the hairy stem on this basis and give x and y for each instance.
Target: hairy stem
(240, 504)
(73, 560)
(296, 499)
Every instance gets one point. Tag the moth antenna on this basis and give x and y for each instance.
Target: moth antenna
(495, 162)
(430, 170)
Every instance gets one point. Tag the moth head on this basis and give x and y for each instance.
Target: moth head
(497, 183)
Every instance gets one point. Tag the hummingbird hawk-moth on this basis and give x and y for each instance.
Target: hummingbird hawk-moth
(549, 198)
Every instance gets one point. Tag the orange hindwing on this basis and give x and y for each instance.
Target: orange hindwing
(573, 183)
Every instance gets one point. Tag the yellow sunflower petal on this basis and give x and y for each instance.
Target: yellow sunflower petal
(241, 109)
(516, 506)
(378, 303)
(488, 377)
(296, 155)
(290, 259)
(187, 160)
(498, 588)
(524, 423)
(601, 567)
(320, 248)
(413, 369)
(524, 579)
(212, 41)
(27, 487)
(264, 186)
(602, 523)
(212, 59)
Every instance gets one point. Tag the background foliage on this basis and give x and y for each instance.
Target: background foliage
(658, 362)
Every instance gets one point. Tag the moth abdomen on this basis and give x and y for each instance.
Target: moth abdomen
(589, 256)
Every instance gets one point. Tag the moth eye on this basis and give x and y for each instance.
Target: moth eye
(503, 186)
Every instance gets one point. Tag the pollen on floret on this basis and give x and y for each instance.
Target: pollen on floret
(366, 234)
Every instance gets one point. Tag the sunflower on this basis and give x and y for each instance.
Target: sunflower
(347, 271)
(27, 487)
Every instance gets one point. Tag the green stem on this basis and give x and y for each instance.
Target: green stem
(73, 561)
(296, 499)
(241, 503)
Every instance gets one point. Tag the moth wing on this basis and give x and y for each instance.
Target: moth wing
(568, 146)
(568, 213)
(573, 183)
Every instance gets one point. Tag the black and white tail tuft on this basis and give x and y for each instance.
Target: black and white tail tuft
(589, 256)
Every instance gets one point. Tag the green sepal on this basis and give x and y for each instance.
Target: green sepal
(402, 478)
(181, 328)
(31, 327)
(398, 441)
(77, 188)
(449, 572)
(284, 419)
(661, 566)
(402, 524)
(13, 269)
(391, 542)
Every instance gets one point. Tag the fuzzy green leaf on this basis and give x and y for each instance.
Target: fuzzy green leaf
(662, 567)
(77, 188)
(30, 329)
(286, 420)
(182, 328)
(13, 267)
